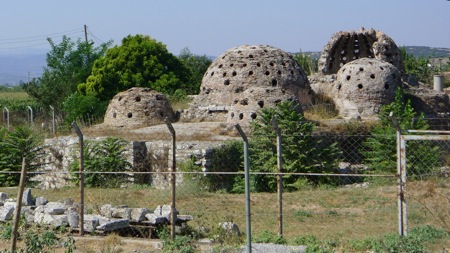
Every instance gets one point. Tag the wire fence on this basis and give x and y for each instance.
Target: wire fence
(349, 192)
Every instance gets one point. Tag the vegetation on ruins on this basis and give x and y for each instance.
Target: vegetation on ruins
(104, 163)
(419, 67)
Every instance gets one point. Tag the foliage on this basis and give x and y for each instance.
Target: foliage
(197, 65)
(69, 63)
(225, 158)
(308, 64)
(107, 156)
(181, 243)
(419, 67)
(83, 108)
(14, 146)
(139, 62)
(302, 152)
(269, 237)
(381, 153)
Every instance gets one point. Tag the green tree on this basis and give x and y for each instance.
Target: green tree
(419, 67)
(139, 62)
(69, 63)
(301, 150)
(14, 145)
(87, 109)
(197, 65)
(308, 64)
(106, 156)
(381, 147)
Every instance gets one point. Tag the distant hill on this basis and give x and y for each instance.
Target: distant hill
(433, 52)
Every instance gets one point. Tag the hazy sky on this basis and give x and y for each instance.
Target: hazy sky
(211, 27)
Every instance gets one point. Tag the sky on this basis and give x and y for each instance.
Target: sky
(210, 27)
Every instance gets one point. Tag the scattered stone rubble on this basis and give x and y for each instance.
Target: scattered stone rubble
(111, 218)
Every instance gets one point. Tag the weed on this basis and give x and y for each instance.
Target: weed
(181, 243)
(269, 237)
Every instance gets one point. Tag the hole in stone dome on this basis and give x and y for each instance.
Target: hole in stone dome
(208, 91)
(114, 115)
(265, 51)
(258, 64)
(354, 57)
(261, 104)
(348, 78)
(234, 73)
(212, 73)
(250, 56)
(292, 72)
(253, 115)
(130, 115)
(341, 64)
(274, 82)
(253, 47)
(236, 101)
(226, 82)
(277, 101)
(241, 115)
(244, 101)
(361, 69)
(161, 114)
(138, 99)
(232, 115)
(239, 89)
(386, 86)
(244, 65)
(372, 76)
(356, 41)
(344, 58)
(223, 57)
(160, 97)
(343, 52)
(232, 64)
(279, 72)
(220, 66)
(360, 86)
(356, 51)
(283, 63)
(267, 73)
(381, 68)
(239, 51)
(224, 74)
(250, 73)
(271, 64)
(339, 87)
(120, 98)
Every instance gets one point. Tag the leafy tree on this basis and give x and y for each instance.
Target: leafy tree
(419, 67)
(139, 62)
(301, 151)
(103, 156)
(14, 145)
(197, 65)
(83, 108)
(381, 153)
(69, 63)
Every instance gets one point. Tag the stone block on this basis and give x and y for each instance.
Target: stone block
(3, 196)
(6, 212)
(156, 219)
(121, 212)
(114, 225)
(27, 198)
(41, 201)
(138, 214)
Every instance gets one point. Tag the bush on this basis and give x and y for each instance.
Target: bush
(106, 156)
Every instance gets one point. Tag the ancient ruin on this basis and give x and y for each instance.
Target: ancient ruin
(345, 47)
(245, 79)
(361, 70)
(138, 107)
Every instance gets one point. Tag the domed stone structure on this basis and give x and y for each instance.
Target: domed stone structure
(245, 79)
(363, 86)
(345, 47)
(138, 107)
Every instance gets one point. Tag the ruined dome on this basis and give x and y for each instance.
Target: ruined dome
(245, 79)
(364, 85)
(138, 107)
(345, 47)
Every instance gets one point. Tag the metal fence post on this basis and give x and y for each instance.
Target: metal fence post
(30, 113)
(23, 175)
(279, 177)
(6, 116)
(53, 120)
(173, 214)
(247, 189)
(401, 175)
(81, 176)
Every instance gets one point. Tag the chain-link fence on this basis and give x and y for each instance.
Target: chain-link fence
(333, 186)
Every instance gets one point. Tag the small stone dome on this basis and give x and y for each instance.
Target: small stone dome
(345, 47)
(364, 85)
(246, 78)
(138, 107)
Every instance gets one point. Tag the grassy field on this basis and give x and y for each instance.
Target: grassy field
(343, 217)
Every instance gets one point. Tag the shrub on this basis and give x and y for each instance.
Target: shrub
(106, 156)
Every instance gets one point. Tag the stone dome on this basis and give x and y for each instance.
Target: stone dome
(364, 85)
(138, 107)
(345, 47)
(247, 78)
